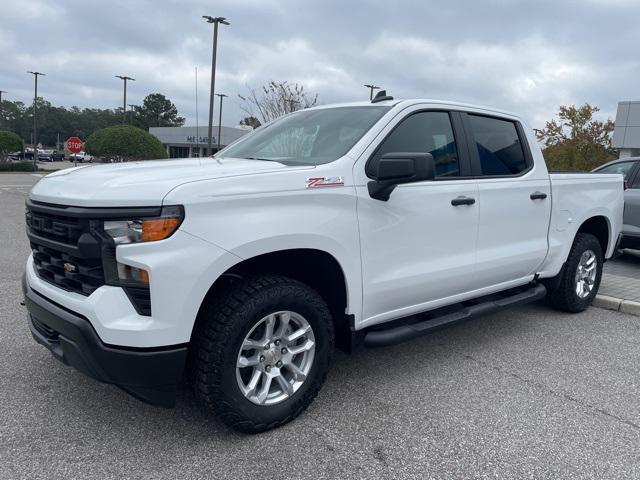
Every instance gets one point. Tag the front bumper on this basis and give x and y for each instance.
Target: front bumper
(150, 374)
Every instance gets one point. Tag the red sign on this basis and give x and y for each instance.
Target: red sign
(75, 145)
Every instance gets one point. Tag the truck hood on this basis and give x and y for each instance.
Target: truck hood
(139, 183)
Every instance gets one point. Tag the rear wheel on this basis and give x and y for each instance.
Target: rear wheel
(261, 352)
(580, 279)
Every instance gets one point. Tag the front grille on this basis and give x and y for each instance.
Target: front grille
(55, 227)
(73, 274)
(66, 249)
(71, 250)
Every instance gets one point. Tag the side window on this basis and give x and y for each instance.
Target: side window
(623, 167)
(498, 145)
(424, 132)
(636, 182)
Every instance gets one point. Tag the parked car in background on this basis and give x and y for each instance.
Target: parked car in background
(17, 156)
(81, 157)
(630, 170)
(57, 156)
(45, 155)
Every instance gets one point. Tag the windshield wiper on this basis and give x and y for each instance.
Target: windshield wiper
(282, 161)
(263, 159)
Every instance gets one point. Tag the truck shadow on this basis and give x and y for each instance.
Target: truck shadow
(351, 384)
(630, 257)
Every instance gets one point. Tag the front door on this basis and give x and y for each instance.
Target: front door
(418, 249)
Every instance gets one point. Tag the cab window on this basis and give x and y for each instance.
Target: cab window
(498, 143)
(422, 132)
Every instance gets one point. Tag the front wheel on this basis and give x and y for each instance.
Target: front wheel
(580, 279)
(261, 352)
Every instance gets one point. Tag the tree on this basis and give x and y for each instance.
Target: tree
(124, 142)
(12, 113)
(157, 111)
(9, 142)
(276, 99)
(576, 141)
(61, 122)
(250, 121)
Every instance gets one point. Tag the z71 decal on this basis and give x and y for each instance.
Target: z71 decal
(320, 182)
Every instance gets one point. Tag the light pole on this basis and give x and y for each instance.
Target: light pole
(131, 106)
(371, 88)
(221, 95)
(215, 21)
(124, 101)
(35, 122)
(1, 92)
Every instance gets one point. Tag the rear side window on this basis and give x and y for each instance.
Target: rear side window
(499, 147)
(623, 167)
(636, 182)
(423, 132)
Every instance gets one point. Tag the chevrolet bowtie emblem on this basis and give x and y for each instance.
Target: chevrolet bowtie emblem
(69, 267)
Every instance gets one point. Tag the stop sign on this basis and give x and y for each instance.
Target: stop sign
(74, 144)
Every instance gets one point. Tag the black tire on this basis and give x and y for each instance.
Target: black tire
(221, 328)
(564, 297)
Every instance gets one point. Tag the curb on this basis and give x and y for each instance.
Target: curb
(617, 304)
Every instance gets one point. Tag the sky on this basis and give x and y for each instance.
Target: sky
(524, 56)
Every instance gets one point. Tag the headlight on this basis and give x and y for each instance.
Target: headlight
(145, 229)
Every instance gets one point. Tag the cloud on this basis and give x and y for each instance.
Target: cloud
(528, 57)
(529, 74)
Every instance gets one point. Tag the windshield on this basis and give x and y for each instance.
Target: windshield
(308, 137)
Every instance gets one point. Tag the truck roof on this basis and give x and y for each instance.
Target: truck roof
(413, 101)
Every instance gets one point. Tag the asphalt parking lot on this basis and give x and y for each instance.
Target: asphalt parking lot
(45, 166)
(528, 393)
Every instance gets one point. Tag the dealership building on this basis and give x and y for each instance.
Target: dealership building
(187, 142)
(626, 136)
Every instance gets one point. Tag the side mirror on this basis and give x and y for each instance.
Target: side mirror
(398, 168)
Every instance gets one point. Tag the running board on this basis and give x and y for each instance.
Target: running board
(391, 336)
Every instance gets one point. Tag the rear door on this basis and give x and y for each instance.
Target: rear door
(515, 200)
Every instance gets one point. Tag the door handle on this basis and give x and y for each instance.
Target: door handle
(463, 201)
(538, 196)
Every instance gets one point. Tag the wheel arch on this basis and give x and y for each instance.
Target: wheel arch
(600, 227)
(314, 267)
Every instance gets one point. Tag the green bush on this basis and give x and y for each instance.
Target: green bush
(92, 145)
(124, 142)
(9, 142)
(16, 167)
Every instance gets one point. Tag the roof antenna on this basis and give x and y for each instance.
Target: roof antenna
(381, 96)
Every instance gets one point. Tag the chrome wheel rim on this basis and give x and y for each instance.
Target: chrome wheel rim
(275, 358)
(586, 273)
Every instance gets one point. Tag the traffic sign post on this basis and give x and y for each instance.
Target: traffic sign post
(75, 145)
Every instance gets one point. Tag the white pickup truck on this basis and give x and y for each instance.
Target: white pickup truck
(362, 224)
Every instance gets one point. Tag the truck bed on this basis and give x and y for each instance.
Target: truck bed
(575, 197)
